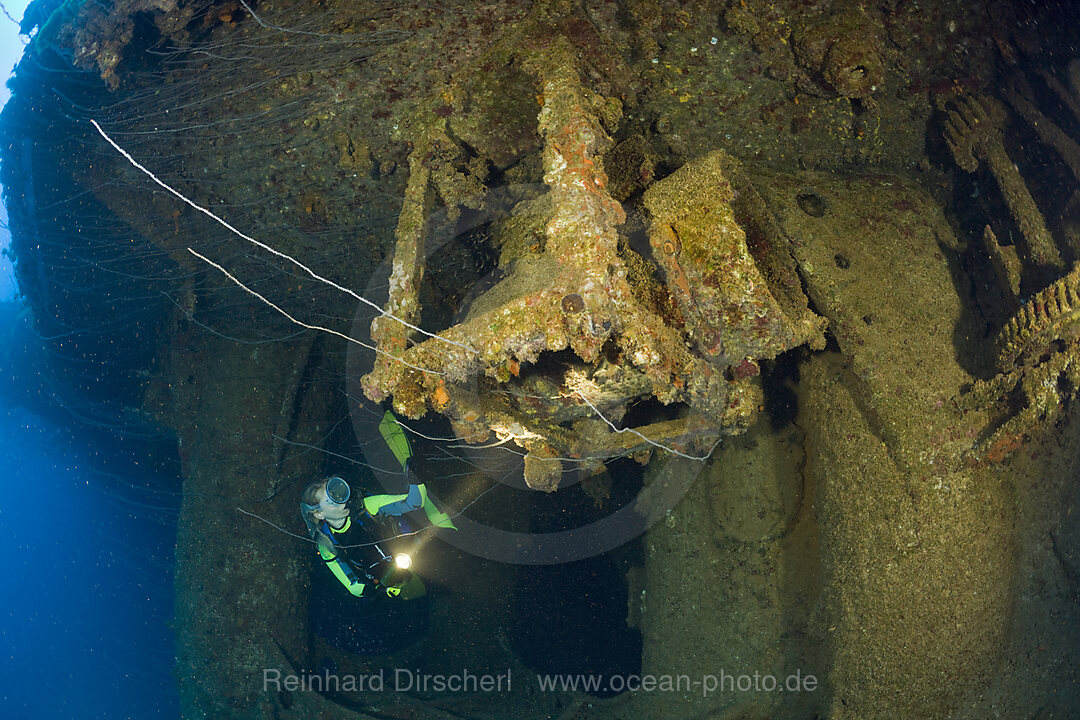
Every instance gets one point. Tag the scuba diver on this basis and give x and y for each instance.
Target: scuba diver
(353, 548)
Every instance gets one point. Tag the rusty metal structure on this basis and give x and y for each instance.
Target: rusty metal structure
(582, 294)
(1037, 347)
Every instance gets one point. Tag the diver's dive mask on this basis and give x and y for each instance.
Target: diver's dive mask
(337, 491)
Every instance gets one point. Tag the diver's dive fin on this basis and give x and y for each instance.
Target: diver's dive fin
(435, 516)
(395, 438)
(399, 444)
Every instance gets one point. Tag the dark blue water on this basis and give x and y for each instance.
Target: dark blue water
(87, 530)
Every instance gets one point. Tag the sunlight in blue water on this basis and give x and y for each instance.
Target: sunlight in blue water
(11, 47)
(87, 570)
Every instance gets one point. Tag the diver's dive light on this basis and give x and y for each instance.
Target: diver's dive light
(402, 561)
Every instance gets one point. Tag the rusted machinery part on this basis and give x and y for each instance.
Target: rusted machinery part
(968, 127)
(1044, 388)
(1021, 96)
(590, 436)
(1006, 265)
(973, 133)
(1048, 322)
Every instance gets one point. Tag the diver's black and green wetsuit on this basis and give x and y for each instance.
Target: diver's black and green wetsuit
(352, 552)
(353, 556)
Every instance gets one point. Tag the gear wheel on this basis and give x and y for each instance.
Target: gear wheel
(1048, 322)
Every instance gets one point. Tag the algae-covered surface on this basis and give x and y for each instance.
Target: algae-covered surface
(739, 340)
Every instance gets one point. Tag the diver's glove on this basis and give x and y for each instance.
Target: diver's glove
(393, 591)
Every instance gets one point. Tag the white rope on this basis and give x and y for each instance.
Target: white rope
(383, 313)
(303, 324)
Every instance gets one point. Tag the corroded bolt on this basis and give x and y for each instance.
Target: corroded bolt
(572, 303)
